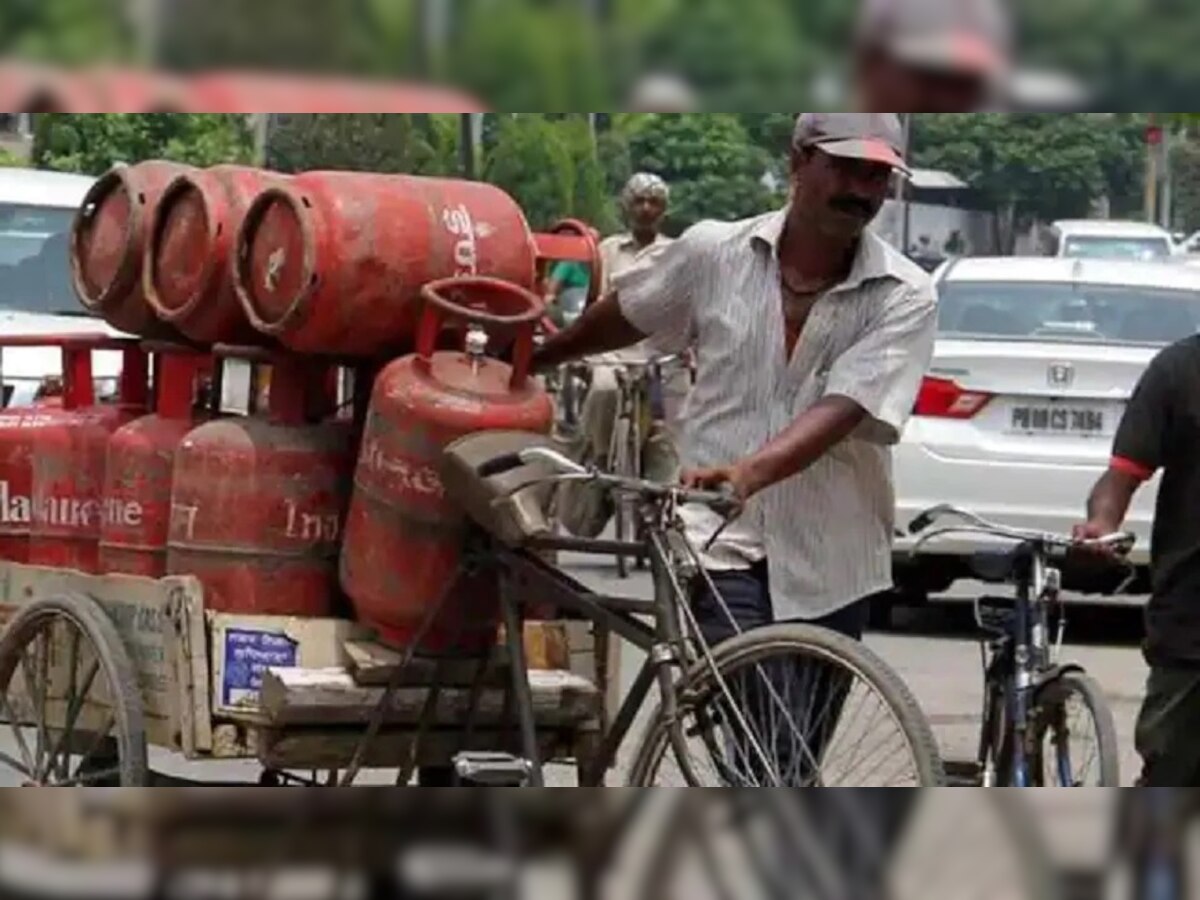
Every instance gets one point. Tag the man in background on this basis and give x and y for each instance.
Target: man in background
(584, 510)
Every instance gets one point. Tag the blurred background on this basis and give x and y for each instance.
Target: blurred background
(606, 54)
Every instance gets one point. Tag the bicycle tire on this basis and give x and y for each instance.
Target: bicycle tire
(1057, 693)
(756, 646)
(931, 855)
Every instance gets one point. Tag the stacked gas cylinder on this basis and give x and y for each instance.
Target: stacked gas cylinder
(370, 300)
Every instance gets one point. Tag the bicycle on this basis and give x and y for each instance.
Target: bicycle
(1027, 691)
(769, 707)
(638, 411)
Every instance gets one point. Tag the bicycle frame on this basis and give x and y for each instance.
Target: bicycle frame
(669, 656)
(1017, 657)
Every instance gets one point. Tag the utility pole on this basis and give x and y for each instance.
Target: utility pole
(904, 189)
(1154, 138)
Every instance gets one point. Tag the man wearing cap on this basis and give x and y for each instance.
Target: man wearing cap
(583, 510)
(812, 336)
(931, 55)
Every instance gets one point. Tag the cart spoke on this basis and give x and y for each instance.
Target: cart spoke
(62, 745)
(15, 765)
(36, 684)
(110, 719)
(14, 723)
(64, 767)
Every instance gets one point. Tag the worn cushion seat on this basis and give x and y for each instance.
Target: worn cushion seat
(510, 504)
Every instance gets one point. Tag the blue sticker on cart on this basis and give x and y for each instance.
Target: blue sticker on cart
(248, 655)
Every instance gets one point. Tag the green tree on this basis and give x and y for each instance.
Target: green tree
(591, 199)
(737, 55)
(67, 31)
(522, 57)
(1030, 166)
(366, 142)
(613, 149)
(714, 171)
(91, 143)
(532, 163)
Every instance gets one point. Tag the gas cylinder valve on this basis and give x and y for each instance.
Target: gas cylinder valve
(477, 341)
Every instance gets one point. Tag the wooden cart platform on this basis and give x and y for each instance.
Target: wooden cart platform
(291, 693)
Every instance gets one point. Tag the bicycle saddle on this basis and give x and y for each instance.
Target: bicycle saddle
(507, 501)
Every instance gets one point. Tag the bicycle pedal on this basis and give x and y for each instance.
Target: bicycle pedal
(493, 769)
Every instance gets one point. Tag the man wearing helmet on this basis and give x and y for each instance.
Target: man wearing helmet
(583, 510)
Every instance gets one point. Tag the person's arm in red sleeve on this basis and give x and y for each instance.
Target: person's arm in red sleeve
(1138, 452)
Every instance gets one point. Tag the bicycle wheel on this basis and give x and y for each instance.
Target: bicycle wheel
(830, 845)
(1075, 735)
(791, 705)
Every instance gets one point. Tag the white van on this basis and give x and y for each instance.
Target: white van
(36, 295)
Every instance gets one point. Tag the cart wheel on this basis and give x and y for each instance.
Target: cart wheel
(62, 663)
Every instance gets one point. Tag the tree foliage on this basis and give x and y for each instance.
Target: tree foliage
(713, 168)
(1031, 166)
(92, 143)
(66, 31)
(738, 55)
(591, 199)
(532, 163)
(367, 142)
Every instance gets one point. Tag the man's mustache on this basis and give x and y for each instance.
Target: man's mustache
(855, 206)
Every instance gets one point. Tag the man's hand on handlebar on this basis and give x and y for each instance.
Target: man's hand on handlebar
(1092, 538)
(737, 479)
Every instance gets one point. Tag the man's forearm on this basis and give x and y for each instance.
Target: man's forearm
(1111, 498)
(810, 437)
(601, 329)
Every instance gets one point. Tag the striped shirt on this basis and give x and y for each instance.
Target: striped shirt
(827, 532)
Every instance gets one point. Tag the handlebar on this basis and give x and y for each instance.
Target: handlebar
(722, 502)
(1120, 543)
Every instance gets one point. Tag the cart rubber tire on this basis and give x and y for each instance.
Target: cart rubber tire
(762, 643)
(115, 667)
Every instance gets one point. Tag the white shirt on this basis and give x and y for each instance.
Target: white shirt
(620, 255)
(827, 532)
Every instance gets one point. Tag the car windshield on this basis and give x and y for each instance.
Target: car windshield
(1066, 312)
(1142, 249)
(35, 270)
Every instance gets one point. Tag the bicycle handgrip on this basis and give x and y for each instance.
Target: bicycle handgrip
(500, 465)
(920, 523)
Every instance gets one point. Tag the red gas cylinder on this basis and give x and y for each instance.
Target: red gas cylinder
(334, 262)
(403, 537)
(136, 511)
(17, 428)
(189, 256)
(258, 503)
(108, 242)
(69, 455)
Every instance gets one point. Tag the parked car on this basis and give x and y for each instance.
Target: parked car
(1034, 363)
(36, 294)
(1109, 239)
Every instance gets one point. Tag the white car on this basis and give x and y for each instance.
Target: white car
(37, 209)
(1035, 361)
(1110, 239)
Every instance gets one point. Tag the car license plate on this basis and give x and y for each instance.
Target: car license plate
(1067, 420)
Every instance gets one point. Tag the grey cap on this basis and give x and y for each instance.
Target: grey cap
(969, 36)
(873, 137)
